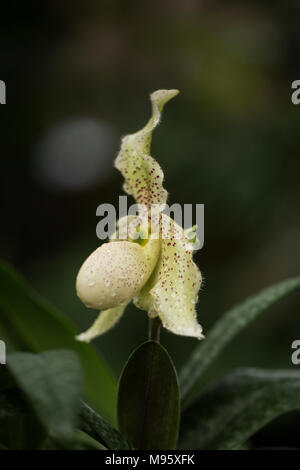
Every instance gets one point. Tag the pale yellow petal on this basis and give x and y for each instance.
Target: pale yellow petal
(143, 175)
(104, 322)
(172, 290)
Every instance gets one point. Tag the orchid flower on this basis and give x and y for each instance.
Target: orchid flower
(155, 271)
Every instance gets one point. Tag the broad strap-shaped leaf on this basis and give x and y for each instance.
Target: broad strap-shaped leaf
(100, 430)
(148, 401)
(232, 323)
(172, 291)
(52, 384)
(227, 415)
(143, 175)
(30, 323)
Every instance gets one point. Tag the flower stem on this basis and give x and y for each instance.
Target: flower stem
(154, 329)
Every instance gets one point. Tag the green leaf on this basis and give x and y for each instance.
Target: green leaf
(148, 401)
(232, 323)
(52, 383)
(227, 415)
(28, 323)
(99, 429)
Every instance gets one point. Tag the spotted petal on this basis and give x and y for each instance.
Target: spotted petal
(172, 290)
(143, 175)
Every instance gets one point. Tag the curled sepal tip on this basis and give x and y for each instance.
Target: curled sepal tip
(143, 175)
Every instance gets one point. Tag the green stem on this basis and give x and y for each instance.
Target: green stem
(154, 329)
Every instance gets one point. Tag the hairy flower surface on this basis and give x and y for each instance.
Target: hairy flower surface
(155, 270)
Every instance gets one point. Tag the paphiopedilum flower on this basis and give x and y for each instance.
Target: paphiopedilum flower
(155, 271)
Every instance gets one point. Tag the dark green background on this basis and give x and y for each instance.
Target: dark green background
(230, 140)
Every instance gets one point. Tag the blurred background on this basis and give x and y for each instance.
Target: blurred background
(78, 76)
